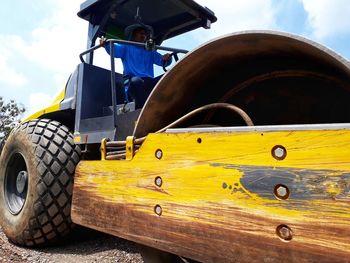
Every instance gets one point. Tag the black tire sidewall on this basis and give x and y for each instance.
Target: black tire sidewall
(18, 142)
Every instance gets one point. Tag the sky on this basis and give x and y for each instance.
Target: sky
(40, 40)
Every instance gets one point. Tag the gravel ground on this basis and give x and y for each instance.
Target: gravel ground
(83, 246)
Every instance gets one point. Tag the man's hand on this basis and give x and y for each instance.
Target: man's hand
(103, 41)
(166, 57)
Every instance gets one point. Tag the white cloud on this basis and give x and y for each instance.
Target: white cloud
(240, 15)
(9, 76)
(54, 46)
(57, 42)
(38, 101)
(328, 17)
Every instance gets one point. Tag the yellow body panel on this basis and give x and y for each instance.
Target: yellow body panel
(55, 106)
(227, 181)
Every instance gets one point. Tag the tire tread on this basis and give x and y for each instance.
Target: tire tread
(56, 156)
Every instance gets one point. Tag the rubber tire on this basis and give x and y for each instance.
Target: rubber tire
(2, 143)
(51, 157)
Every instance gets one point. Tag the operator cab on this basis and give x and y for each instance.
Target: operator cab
(97, 113)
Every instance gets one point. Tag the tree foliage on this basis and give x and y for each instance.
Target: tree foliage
(10, 113)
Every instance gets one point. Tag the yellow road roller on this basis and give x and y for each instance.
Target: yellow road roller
(240, 153)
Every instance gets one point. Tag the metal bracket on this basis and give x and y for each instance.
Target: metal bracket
(129, 147)
(103, 149)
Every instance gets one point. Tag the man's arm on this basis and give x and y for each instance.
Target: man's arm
(160, 59)
(118, 49)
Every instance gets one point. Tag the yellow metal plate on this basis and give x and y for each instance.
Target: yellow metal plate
(238, 191)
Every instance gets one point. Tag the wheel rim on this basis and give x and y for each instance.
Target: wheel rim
(16, 183)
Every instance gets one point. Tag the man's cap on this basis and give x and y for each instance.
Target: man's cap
(129, 30)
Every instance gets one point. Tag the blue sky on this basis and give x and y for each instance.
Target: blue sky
(40, 40)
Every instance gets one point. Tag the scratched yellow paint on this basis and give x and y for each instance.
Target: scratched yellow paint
(197, 178)
(55, 106)
(190, 174)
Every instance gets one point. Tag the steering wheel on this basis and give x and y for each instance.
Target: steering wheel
(176, 57)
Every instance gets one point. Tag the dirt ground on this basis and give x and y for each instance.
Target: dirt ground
(82, 247)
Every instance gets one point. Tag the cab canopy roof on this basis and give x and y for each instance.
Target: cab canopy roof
(168, 18)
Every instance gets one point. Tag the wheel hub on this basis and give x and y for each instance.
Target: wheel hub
(16, 183)
(21, 181)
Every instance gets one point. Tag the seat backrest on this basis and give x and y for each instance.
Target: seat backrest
(95, 90)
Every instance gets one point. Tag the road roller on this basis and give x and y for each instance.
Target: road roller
(240, 153)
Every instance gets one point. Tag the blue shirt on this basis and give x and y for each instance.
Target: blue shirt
(137, 61)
